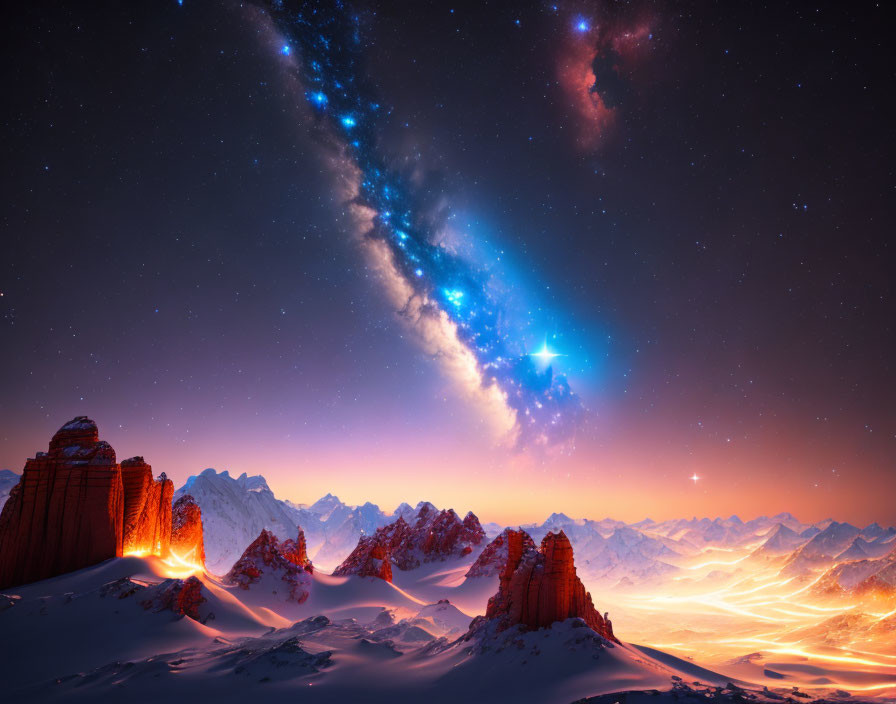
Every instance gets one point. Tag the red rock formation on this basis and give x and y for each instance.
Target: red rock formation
(66, 511)
(75, 506)
(182, 596)
(136, 478)
(435, 535)
(147, 509)
(540, 587)
(493, 559)
(186, 530)
(266, 555)
(371, 558)
(296, 551)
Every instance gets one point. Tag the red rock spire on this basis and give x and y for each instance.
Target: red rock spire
(186, 530)
(539, 587)
(147, 508)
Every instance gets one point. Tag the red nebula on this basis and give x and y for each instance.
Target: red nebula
(619, 50)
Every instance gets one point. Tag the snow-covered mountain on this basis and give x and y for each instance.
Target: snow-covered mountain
(821, 549)
(234, 512)
(861, 576)
(8, 479)
(610, 552)
(781, 541)
(342, 526)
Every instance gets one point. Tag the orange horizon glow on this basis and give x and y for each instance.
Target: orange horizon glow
(628, 469)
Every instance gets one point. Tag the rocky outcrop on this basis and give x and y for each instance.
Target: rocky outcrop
(540, 587)
(493, 559)
(186, 530)
(147, 509)
(67, 510)
(296, 551)
(276, 564)
(183, 597)
(434, 535)
(371, 558)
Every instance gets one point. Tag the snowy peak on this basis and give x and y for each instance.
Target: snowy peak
(558, 519)
(821, 550)
(326, 505)
(781, 540)
(8, 479)
(256, 483)
(832, 540)
(234, 512)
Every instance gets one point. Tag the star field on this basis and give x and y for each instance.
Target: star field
(660, 232)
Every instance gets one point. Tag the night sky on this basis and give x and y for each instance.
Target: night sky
(690, 205)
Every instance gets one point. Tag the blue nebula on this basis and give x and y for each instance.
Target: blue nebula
(330, 42)
(286, 50)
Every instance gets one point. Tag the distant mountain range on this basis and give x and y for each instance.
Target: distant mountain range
(610, 553)
(235, 510)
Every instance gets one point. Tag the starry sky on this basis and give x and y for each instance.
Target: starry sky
(509, 258)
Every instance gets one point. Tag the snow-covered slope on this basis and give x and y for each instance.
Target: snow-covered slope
(368, 641)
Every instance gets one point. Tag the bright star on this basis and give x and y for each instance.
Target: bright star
(286, 50)
(695, 478)
(348, 122)
(545, 355)
(582, 26)
(319, 99)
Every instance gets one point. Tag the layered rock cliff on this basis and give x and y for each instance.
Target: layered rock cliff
(147, 509)
(66, 511)
(75, 506)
